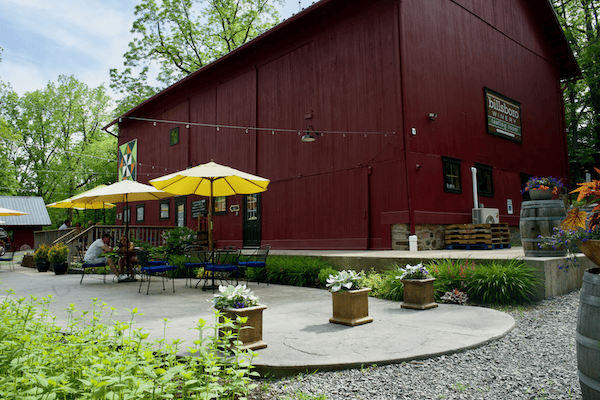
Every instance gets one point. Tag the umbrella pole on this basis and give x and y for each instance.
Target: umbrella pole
(210, 215)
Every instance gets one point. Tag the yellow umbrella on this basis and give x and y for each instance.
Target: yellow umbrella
(72, 202)
(80, 206)
(211, 180)
(121, 192)
(6, 211)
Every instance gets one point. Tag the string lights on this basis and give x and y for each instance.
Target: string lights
(247, 128)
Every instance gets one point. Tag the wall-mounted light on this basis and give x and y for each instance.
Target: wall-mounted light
(432, 116)
(307, 138)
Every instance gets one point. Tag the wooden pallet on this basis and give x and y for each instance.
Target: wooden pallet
(477, 234)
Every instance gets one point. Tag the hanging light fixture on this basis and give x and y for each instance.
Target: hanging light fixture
(307, 138)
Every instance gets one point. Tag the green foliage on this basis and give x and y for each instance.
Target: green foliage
(451, 274)
(91, 360)
(384, 286)
(41, 254)
(503, 282)
(579, 20)
(58, 253)
(183, 36)
(295, 271)
(324, 275)
(177, 239)
(54, 142)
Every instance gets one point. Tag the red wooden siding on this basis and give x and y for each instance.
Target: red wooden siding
(365, 66)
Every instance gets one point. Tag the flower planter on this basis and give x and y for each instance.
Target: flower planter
(541, 194)
(539, 218)
(588, 335)
(351, 307)
(591, 249)
(42, 266)
(60, 268)
(418, 294)
(250, 337)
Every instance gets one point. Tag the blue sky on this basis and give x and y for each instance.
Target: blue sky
(43, 39)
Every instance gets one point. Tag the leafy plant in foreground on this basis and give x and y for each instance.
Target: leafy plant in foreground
(503, 283)
(89, 359)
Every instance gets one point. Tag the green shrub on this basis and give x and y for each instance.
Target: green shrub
(295, 270)
(88, 359)
(177, 239)
(503, 283)
(383, 286)
(324, 274)
(451, 274)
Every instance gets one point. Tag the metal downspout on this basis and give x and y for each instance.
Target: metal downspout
(405, 125)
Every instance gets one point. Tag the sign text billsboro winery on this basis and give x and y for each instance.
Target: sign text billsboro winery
(503, 115)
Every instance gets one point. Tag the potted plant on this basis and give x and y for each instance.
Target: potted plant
(240, 301)
(418, 287)
(542, 188)
(57, 255)
(583, 231)
(350, 301)
(41, 258)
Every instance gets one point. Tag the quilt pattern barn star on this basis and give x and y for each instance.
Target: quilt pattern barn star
(128, 161)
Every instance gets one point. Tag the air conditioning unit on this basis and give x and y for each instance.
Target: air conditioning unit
(486, 215)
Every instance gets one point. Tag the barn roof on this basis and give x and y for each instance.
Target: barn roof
(568, 67)
(33, 206)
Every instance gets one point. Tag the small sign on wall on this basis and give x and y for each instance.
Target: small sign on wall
(503, 116)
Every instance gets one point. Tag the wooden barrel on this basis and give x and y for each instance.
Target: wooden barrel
(588, 335)
(540, 217)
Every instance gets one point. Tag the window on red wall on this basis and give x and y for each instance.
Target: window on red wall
(485, 181)
(452, 181)
(164, 210)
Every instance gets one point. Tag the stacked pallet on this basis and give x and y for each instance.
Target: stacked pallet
(477, 236)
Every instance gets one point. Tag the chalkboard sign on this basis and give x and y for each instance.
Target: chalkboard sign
(198, 208)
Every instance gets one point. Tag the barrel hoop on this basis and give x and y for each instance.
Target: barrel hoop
(590, 300)
(587, 342)
(591, 278)
(555, 218)
(589, 382)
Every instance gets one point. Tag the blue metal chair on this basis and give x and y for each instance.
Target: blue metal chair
(87, 266)
(258, 259)
(10, 259)
(150, 268)
(224, 263)
(199, 256)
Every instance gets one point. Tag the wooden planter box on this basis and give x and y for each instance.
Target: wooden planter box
(251, 337)
(418, 294)
(351, 307)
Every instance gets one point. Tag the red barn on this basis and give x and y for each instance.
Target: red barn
(404, 97)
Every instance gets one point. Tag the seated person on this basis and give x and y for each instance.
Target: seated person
(65, 225)
(127, 261)
(94, 255)
(2, 248)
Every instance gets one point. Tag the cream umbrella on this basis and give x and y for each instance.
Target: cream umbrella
(6, 212)
(121, 192)
(211, 180)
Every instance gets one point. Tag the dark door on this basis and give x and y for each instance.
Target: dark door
(180, 211)
(251, 210)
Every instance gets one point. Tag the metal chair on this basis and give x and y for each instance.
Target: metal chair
(258, 259)
(224, 263)
(199, 256)
(149, 268)
(10, 259)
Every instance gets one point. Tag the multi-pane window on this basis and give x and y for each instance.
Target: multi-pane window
(220, 205)
(139, 213)
(251, 207)
(452, 181)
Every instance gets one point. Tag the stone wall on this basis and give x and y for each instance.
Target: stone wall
(431, 237)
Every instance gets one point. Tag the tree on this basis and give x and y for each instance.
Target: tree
(181, 36)
(579, 19)
(53, 138)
